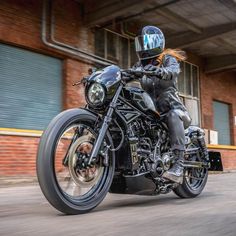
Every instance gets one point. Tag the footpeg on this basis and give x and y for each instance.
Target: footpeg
(172, 177)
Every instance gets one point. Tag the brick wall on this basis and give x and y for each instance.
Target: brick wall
(220, 87)
(74, 95)
(228, 158)
(20, 25)
(18, 155)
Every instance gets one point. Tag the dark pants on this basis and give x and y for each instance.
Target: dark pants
(177, 122)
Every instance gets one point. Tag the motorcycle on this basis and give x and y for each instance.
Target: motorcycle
(86, 152)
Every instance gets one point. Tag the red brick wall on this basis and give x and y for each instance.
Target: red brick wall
(17, 155)
(20, 25)
(74, 95)
(220, 87)
(228, 158)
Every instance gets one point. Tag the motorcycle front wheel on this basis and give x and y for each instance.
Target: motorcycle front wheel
(70, 185)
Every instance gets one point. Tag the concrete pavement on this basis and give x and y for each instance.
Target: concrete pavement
(25, 211)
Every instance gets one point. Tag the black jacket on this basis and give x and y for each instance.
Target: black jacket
(163, 87)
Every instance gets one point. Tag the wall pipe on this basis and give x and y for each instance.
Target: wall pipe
(67, 48)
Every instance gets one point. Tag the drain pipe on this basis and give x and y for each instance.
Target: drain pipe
(66, 48)
(53, 39)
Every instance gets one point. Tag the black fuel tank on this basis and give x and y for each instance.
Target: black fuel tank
(139, 98)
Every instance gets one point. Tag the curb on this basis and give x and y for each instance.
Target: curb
(17, 181)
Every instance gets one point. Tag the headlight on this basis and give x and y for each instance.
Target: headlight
(96, 94)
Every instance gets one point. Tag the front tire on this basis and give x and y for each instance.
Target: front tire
(89, 185)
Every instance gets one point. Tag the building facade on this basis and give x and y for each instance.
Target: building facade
(46, 46)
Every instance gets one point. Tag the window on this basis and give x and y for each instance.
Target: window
(121, 50)
(222, 122)
(188, 85)
(30, 91)
(116, 48)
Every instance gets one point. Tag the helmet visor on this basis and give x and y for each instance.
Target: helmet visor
(149, 41)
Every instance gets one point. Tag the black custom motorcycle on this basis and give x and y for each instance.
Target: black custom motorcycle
(86, 152)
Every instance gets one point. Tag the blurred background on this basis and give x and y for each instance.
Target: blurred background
(47, 45)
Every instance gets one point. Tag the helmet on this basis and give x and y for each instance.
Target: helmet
(150, 43)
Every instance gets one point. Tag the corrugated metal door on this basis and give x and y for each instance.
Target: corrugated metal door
(30, 88)
(221, 122)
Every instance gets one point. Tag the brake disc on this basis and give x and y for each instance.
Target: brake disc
(84, 177)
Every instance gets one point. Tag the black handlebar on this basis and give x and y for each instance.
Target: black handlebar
(139, 72)
(83, 81)
(134, 74)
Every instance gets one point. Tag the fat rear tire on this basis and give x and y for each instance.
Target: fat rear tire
(185, 191)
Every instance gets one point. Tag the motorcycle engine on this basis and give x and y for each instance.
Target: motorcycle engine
(162, 163)
(148, 151)
(140, 145)
(166, 160)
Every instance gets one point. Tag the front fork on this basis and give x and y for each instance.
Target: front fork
(105, 125)
(76, 135)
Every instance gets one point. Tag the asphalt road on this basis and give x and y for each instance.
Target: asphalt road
(24, 211)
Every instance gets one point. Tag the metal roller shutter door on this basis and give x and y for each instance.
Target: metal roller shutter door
(222, 122)
(30, 88)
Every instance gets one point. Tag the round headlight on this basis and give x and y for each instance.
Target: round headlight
(96, 94)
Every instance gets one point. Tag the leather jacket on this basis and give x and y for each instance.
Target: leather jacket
(163, 87)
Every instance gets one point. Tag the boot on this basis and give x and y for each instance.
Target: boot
(176, 172)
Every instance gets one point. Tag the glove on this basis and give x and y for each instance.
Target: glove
(150, 67)
(126, 76)
(158, 71)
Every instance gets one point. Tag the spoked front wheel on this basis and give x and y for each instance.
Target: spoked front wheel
(67, 181)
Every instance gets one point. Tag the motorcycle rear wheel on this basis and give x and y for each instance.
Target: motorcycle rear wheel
(70, 189)
(194, 181)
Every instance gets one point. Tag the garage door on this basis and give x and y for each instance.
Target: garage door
(30, 88)
(222, 122)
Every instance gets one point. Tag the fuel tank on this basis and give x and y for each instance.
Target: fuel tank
(139, 98)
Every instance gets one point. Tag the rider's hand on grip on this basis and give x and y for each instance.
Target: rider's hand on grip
(153, 70)
(127, 76)
(150, 67)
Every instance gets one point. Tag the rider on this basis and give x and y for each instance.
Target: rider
(150, 48)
